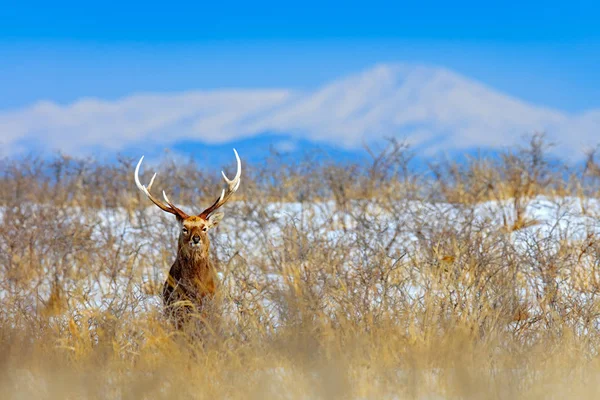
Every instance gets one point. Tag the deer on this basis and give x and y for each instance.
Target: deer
(192, 279)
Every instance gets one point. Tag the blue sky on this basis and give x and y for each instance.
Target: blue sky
(544, 53)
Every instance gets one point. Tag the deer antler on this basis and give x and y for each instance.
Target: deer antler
(169, 207)
(232, 186)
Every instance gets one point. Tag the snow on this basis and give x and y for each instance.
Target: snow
(145, 241)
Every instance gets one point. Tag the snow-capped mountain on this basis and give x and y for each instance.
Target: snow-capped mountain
(433, 108)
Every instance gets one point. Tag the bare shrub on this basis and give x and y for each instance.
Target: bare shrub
(373, 279)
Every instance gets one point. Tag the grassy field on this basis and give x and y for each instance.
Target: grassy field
(478, 280)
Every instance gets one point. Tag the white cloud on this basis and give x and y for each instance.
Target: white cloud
(424, 105)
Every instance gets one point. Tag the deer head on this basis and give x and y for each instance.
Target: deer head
(193, 238)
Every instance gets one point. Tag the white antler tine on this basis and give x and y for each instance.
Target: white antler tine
(238, 173)
(166, 198)
(151, 181)
(136, 175)
(225, 177)
(239, 166)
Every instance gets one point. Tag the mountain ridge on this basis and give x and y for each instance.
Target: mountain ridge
(429, 106)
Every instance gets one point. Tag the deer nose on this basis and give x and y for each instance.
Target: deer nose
(196, 238)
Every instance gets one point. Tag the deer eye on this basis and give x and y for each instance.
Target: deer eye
(205, 228)
(184, 230)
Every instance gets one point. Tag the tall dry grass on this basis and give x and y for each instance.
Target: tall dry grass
(385, 281)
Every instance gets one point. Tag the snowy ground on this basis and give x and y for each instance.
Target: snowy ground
(145, 241)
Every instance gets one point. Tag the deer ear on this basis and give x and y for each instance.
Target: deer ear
(215, 218)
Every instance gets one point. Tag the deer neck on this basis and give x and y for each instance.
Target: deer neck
(194, 259)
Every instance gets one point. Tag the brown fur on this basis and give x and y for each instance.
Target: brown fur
(192, 277)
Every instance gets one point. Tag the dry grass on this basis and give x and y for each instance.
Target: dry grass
(367, 296)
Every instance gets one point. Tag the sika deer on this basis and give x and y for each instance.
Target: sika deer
(192, 277)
